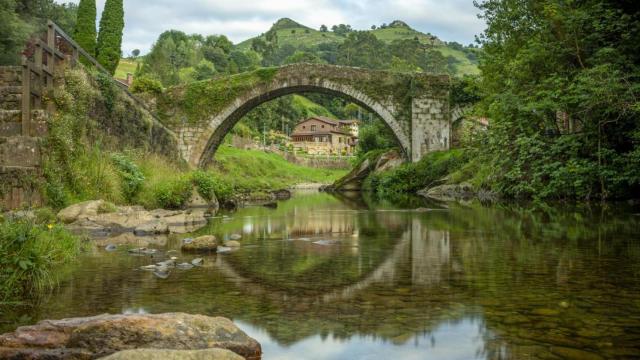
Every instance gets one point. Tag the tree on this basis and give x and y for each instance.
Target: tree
(110, 35)
(85, 31)
(323, 28)
(561, 86)
(135, 53)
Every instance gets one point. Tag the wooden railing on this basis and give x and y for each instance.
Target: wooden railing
(54, 51)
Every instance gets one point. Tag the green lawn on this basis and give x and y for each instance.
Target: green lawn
(254, 170)
(126, 66)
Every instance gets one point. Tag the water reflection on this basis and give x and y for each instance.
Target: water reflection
(338, 279)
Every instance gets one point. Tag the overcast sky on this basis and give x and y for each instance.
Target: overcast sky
(450, 20)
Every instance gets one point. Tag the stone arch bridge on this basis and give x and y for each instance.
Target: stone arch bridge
(414, 106)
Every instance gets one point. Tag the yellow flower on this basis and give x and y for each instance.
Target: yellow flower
(50, 226)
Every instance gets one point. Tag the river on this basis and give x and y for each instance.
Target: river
(322, 277)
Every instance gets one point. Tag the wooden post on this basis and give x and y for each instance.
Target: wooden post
(51, 42)
(37, 104)
(26, 97)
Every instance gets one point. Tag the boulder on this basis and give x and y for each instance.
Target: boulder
(93, 217)
(152, 227)
(206, 243)
(152, 354)
(232, 244)
(354, 179)
(80, 210)
(102, 335)
(198, 202)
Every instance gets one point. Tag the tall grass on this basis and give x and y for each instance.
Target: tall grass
(31, 255)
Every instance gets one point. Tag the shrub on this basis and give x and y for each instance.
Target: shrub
(132, 177)
(147, 85)
(411, 177)
(30, 256)
(173, 194)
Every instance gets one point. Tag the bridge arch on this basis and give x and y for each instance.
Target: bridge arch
(413, 106)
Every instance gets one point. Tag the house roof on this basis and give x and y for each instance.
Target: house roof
(327, 132)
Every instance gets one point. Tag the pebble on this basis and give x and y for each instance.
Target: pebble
(111, 247)
(197, 262)
(187, 240)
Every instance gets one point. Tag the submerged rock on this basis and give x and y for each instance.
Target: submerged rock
(326, 242)
(152, 354)
(111, 247)
(449, 192)
(206, 243)
(184, 266)
(197, 262)
(232, 244)
(102, 335)
(235, 237)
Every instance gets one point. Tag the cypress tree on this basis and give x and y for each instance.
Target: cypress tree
(85, 34)
(110, 35)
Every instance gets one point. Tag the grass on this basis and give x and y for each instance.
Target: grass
(31, 254)
(126, 66)
(253, 170)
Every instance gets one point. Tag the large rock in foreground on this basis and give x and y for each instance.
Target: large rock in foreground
(151, 354)
(102, 335)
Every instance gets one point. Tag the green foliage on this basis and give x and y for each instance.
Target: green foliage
(375, 136)
(31, 255)
(132, 177)
(173, 194)
(411, 177)
(146, 85)
(85, 31)
(575, 58)
(109, 43)
(19, 19)
(107, 89)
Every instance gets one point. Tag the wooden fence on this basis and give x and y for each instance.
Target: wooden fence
(53, 50)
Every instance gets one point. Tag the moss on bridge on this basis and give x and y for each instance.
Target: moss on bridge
(197, 102)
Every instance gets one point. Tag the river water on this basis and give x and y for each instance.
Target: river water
(322, 277)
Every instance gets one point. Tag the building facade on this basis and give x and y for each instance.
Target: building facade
(323, 136)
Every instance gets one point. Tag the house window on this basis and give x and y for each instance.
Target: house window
(304, 127)
(322, 126)
(313, 127)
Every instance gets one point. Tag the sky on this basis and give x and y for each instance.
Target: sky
(450, 20)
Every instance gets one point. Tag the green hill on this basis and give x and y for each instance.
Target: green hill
(289, 32)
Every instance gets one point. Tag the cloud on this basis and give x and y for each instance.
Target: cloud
(451, 20)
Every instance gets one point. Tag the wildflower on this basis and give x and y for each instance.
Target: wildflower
(50, 226)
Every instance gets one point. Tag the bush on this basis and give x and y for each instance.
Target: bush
(31, 254)
(173, 194)
(147, 85)
(132, 177)
(411, 177)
